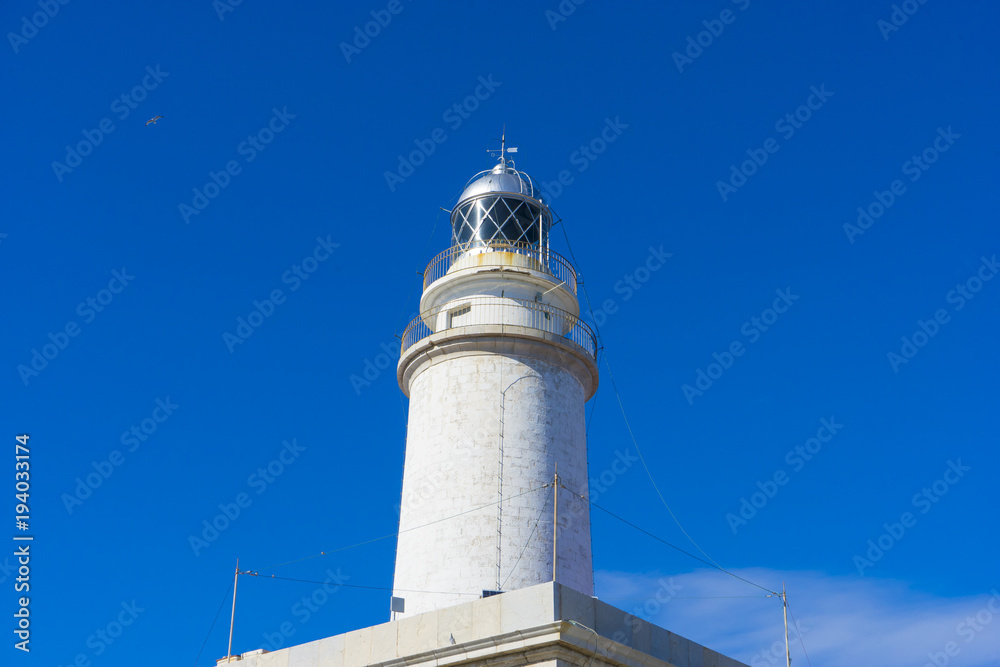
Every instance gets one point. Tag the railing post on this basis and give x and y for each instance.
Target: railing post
(550, 262)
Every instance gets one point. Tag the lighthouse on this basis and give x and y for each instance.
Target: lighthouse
(498, 367)
(493, 555)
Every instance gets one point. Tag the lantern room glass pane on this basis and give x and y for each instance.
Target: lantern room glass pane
(496, 218)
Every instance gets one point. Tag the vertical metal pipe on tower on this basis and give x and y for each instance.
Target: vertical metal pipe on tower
(232, 617)
(555, 523)
(784, 609)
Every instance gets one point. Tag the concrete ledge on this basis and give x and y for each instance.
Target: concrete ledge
(501, 339)
(547, 624)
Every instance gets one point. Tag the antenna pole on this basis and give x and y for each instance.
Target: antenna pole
(503, 142)
(232, 618)
(555, 521)
(784, 608)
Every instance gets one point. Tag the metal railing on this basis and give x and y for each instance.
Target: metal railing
(492, 254)
(480, 310)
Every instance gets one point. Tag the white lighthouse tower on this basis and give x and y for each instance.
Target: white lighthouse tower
(497, 367)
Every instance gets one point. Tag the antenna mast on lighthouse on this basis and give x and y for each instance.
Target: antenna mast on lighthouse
(503, 149)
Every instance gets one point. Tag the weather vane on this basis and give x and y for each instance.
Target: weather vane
(503, 147)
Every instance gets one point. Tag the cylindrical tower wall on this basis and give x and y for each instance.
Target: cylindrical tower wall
(459, 457)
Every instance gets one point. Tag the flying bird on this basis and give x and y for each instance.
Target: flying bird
(153, 120)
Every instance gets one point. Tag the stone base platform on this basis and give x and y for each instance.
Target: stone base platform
(548, 624)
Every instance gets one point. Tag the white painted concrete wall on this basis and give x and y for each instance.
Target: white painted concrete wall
(453, 464)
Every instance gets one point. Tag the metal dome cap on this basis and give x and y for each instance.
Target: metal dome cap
(501, 207)
(501, 178)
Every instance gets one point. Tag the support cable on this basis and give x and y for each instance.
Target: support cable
(672, 546)
(525, 548)
(400, 532)
(645, 467)
(798, 634)
(635, 443)
(711, 561)
(423, 253)
(593, 408)
(370, 588)
(409, 295)
(221, 604)
(503, 414)
(696, 597)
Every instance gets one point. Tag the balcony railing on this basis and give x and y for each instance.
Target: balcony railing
(484, 310)
(498, 253)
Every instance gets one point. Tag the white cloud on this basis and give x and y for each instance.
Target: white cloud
(844, 620)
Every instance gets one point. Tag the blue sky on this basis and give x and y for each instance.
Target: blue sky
(742, 138)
